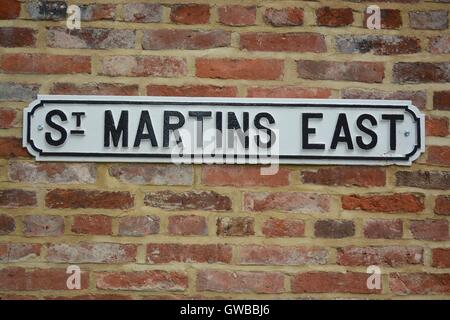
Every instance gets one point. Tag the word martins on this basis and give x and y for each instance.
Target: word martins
(219, 130)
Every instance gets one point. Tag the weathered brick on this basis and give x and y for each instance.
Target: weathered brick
(19, 279)
(293, 41)
(434, 230)
(8, 118)
(15, 198)
(152, 280)
(288, 92)
(237, 15)
(335, 229)
(436, 126)
(77, 198)
(297, 202)
(397, 202)
(434, 20)
(284, 17)
(283, 228)
(190, 13)
(108, 89)
(243, 176)
(240, 281)
(142, 12)
(439, 44)
(418, 98)
(278, 255)
(47, 10)
(10, 9)
(377, 44)
(191, 90)
(423, 179)
(419, 283)
(390, 18)
(11, 147)
(249, 69)
(138, 226)
(323, 282)
(153, 174)
(393, 256)
(84, 252)
(370, 72)
(11, 91)
(235, 226)
(346, 176)
(97, 11)
(32, 172)
(43, 226)
(7, 224)
(188, 253)
(163, 39)
(334, 17)
(141, 66)
(187, 225)
(438, 155)
(188, 200)
(440, 257)
(442, 205)
(44, 63)
(383, 229)
(90, 38)
(421, 72)
(17, 37)
(13, 252)
(97, 224)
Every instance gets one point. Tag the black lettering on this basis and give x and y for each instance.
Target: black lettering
(219, 137)
(392, 118)
(116, 132)
(199, 115)
(145, 123)
(369, 132)
(78, 116)
(57, 127)
(342, 123)
(172, 127)
(306, 131)
(270, 133)
(242, 132)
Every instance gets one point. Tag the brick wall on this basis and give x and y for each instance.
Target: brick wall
(156, 231)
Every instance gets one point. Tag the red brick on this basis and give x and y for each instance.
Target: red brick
(433, 19)
(92, 297)
(421, 72)
(10, 9)
(243, 176)
(92, 224)
(191, 91)
(441, 100)
(235, 226)
(249, 69)
(43, 226)
(84, 252)
(295, 42)
(17, 37)
(284, 17)
(44, 63)
(393, 256)
(283, 228)
(288, 92)
(13, 252)
(397, 202)
(139, 226)
(142, 12)
(8, 118)
(441, 257)
(377, 44)
(240, 281)
(331, 282)
(93, 12)
(297, 202)
(438, 155)
(419, 283)
(236, 15)
(108, 89)
(346, 176)
(154, 280)
(278, 255)
(51, 172)
(153, 174)
(439, 44)
(423, 179)
(335, 229)
(74, 199)
(331, 17)
(19, 279)
(15, 198)
(390, 19)
(7, 224)
(188, 253)
(436, 126)
(187, 225)
(383, 229)
(442, 205)
(190, 13)
(11, 147)
(188, 200)
(434, 230)
(418, 98)
(370, 72)
(164, 39)
(142, 66)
